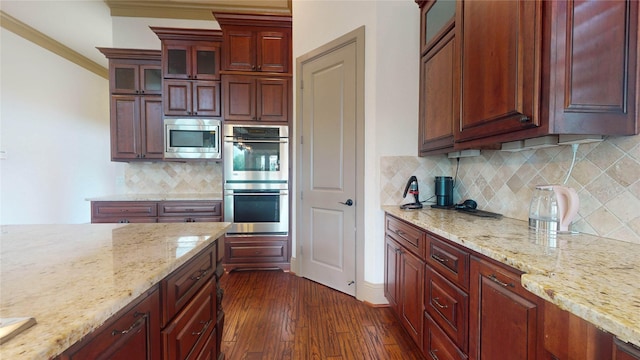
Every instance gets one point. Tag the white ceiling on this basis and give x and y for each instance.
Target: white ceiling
(62, 20)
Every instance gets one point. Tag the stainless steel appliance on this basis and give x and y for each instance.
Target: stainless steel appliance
(192, 138)
(256, 185)
(256, 152)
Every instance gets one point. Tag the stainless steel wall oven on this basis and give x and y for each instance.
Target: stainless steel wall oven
(256, 186)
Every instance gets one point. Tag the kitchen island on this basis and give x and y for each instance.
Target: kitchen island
(594, 278)
(73, 278)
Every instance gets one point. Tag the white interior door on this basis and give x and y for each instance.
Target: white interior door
(328, 204)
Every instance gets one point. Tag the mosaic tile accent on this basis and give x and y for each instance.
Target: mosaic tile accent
(606, 176)
(173, 178)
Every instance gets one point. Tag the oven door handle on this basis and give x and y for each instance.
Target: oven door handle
(255, 194)
(234, 140)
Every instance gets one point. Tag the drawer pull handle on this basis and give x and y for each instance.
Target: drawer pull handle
(204, 328)
(399, 232)
(200, 275)
(133, 326)
(438, 258)
(493, 278)
(435, 300)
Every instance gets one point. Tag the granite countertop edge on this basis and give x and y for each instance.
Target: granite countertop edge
(56, 330)
(591, 277)
(158, 197)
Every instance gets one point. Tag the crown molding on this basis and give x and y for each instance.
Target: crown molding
(28, 33)
(195, 10)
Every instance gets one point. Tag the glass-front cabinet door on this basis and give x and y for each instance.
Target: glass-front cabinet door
(192, 61)
(437, 18)
(133, 78)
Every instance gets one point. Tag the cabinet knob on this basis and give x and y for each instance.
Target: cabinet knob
(525, 119)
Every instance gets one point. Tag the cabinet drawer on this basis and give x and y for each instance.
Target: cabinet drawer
(180, 287)
(133, 330)
(124, 220)
(448, 307)
(186, 208)
(248, 251)
(175, 219)
(449, 261)
(118, 209)
(406, 235)
(209, 350)
(187, 334)
(437, 345)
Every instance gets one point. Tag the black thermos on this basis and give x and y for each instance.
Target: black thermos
(444, 190)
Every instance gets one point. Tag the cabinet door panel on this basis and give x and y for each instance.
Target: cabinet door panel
(177, 97)
(273, 99)
(125, 127)
(124, 78)
(151, 79)
(504, 317)
(206, 98)
(273, 51)
(391, 273)
(595, 90)
(151, 127)
(240, 49)
(499, 76)
(439, 96)
(411, 307)
(206, 62)
(239, 98)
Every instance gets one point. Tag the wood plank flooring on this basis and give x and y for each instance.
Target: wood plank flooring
(276, 315)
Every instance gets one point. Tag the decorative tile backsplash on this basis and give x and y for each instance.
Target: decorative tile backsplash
(606, 176)
(173, 178)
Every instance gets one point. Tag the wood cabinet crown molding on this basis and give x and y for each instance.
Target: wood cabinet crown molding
(269, 20)
(185, 34)
(131, 54)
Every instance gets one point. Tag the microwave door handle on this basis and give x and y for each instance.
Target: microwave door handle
(258, 194)
(256, 141)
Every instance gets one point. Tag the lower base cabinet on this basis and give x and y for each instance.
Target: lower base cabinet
(179, 318)
(476, 308)
(504, 318)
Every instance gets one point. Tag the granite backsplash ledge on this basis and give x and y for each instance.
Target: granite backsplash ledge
(606, 175)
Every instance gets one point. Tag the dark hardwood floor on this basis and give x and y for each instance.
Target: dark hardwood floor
(278, 315)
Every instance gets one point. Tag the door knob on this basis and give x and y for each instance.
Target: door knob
(349, 202)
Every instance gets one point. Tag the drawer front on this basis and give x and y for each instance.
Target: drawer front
(437, 345)
(246, 251)
(209, 350)
(124, 220)
(176, 219)
(180, 287)
(406, 235)
(184, 208)
(449, 261)
(448, 307)
(116, 209)
(187, 334)
(134, 330)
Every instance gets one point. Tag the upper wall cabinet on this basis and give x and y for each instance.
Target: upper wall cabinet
(439, 77)
(135, 84)
(533, 68)
(256, 42)
(191, 71)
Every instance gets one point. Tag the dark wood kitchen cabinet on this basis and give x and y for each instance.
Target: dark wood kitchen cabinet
(191, 71)
(256, 252)
(405, 275)
(132, 333)
(625, 351)
(135, 84)
(551, 67)
(439, 77)
(156, 211)
(256, 98)
(256, 43)
(504, 318)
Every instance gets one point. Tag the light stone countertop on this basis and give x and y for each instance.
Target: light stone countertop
(597, 279)
(158, 197)
(72, 278)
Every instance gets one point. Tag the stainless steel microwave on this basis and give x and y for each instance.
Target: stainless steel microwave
(192, 138)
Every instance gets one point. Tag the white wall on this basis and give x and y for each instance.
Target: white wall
(134, 33)
(54, 125)
(391, 91)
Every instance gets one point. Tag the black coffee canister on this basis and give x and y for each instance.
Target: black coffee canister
(444, 190)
